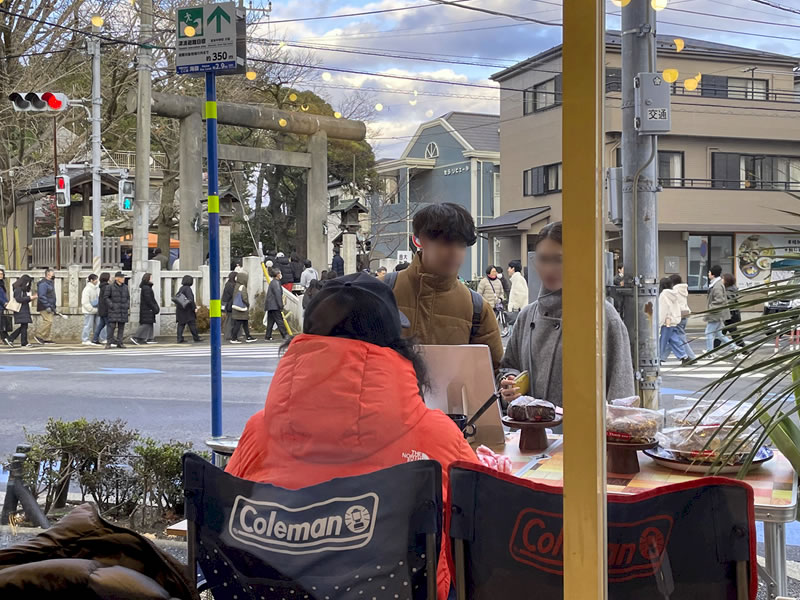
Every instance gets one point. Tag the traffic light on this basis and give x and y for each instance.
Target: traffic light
(62, 191)
(39, 101)
(126, 195)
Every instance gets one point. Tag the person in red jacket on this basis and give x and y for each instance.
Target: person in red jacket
(345, 399)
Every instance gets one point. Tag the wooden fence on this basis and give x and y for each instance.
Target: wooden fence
(74, 251)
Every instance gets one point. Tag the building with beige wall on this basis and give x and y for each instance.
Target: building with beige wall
(729, 169)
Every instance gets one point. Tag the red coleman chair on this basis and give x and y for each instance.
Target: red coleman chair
(372, 536)
(693, 540)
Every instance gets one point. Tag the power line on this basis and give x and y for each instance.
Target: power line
(778, 6)
(742, 19)
(496, 13)
(348, 15)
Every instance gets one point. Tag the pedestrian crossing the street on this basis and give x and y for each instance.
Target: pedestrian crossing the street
(244, 351)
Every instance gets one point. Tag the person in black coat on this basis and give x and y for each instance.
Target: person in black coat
(102, 309)
(186, 315)
(337, 264)
(21, 290)
(282, 263)
(274, 305)
(3, 300)
(148, 309)
(227, 305)
(118, 302)
(297, 267)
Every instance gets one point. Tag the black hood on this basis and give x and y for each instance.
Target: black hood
(187, 280)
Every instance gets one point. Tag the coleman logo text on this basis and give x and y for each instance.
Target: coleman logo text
(336, 524)
(635, 549)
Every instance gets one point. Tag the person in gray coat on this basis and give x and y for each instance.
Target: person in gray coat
(274, 305)
(535, 343)
(718, 309)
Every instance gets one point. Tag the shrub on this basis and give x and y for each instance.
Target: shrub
(159, 470)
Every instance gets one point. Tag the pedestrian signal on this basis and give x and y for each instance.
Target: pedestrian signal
(62, 191)
(126, 195)
(39, 101)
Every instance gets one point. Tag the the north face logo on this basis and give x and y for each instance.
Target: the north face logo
(336, 524)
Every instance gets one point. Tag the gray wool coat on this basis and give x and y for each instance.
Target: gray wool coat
(535, 346)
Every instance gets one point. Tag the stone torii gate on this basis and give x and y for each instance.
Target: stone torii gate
(189, 110)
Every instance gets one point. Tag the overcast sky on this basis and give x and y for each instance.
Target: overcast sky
(491, 43)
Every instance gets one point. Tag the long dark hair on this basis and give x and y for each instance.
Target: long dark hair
(232, 277)
(23, 283)
(664, 284)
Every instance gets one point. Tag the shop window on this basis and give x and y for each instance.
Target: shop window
(705, 251)
(670, 168)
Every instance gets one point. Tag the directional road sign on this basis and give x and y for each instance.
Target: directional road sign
(206, 39)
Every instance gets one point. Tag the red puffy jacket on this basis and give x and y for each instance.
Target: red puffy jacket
(337, 408)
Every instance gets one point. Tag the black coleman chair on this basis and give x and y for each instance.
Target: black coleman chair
(373, 536)
(687, 541)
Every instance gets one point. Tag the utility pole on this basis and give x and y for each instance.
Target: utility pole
(639, 206)
(55, 176)
(141, 216)
(97, 206)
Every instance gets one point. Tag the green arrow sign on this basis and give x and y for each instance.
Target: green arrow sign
(218, 14)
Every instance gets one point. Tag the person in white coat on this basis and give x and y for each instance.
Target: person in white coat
(518, 296)
(682, 289)
(669, 316)
(89, 301)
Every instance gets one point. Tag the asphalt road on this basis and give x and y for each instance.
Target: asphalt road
(161, 390)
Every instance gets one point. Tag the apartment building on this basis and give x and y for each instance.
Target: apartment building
(453, 158)
(730, 168)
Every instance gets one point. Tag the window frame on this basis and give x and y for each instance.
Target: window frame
(703, 275)
(748, 91)
(681, 178)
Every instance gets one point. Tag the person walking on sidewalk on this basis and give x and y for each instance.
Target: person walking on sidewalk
(274, 306)
(337, 264)
(187, 315)
(118, 303)
(148, 309)
(718, 309)
(669, 316)
(101, 329)
(21, 291)
(732, 294)
(46, 305)
(241, 310)
(518, 296)
(282, 263)
(90, 298)
(682, 289)
(491, 289)
(6, 325)
(309, 274)
(227, 301)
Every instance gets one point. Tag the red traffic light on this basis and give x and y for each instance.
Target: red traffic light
(61, 183)
(52, 100)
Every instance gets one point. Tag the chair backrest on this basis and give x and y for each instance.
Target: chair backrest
(688, 540)
(376, 535)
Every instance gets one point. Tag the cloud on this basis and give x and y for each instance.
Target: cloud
(479, 44)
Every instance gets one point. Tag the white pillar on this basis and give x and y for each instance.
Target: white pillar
(225, 249)
(349, 252)
(190, 190)
(317, 199)
(255, 276)
(523, 247)
(74, 288)
(205, 285)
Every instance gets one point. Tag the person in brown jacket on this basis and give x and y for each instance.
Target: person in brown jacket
(441, 309)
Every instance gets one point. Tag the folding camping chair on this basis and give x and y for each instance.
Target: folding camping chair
(376, 535)
(684, 541)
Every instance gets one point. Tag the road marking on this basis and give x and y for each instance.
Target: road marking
(120, 371)
(16, 369)
(177, 352)
(240, 374)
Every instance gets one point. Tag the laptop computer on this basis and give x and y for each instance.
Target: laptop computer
(461, 381)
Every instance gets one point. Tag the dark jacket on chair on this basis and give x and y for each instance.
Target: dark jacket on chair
(83, 556)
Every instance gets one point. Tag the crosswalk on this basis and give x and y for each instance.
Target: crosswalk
(257, 350)
(703, 369)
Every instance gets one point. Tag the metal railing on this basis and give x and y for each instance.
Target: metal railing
(737, 93)
(74, 251)
(127, 160)
(730, 184)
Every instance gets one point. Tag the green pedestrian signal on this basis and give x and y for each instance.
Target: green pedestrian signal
(126, 195)
(218, 14)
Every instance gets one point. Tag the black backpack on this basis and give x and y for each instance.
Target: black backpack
(477, 303)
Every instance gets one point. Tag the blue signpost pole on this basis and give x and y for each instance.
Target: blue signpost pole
(215, 308)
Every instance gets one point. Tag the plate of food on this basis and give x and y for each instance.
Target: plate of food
(675, 461)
